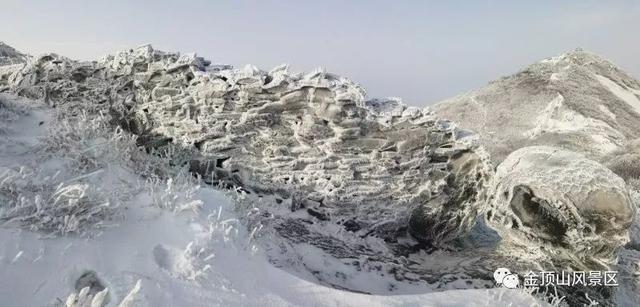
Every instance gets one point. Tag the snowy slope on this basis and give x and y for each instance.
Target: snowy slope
(577, 100)
(183, 244)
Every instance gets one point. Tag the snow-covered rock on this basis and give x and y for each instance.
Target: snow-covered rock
(561, 211)
(574, 211)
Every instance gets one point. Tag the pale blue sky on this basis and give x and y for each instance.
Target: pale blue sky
(421, 51)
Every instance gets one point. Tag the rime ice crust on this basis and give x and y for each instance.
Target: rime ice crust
(378, 169)
(576, 211)
(312, 141)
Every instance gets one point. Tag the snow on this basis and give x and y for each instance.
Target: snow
(624, 94)
(557, 118)
(48, 269)
(194, 252)
(554, 60)
(606, 111)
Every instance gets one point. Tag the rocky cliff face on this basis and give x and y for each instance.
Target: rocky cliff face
(577, 101)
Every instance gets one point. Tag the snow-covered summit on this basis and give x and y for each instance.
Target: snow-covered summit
(577, 100)
(10, 56)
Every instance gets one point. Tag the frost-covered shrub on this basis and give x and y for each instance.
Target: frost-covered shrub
(176, 193)
(84, 298)
(634, 184)
(87, 150)
(88, 142)
(50, 205)
(550, 296)
(626, 166)
(91, 141)
(625, 162)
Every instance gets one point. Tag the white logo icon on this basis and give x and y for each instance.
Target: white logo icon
(504, 278)
(499, 274)
(511, 281)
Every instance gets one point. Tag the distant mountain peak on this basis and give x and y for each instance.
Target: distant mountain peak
(576, 59)
(10, 56)
(577, 100)
(578, 56)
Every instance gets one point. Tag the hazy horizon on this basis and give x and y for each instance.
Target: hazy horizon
(420, 51)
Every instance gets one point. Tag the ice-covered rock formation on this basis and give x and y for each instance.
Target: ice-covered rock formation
(577, 101)
(573, 210)
(311, 141)
(345, 175)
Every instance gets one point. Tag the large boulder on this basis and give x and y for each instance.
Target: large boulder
(559, 207)
(312, 142)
